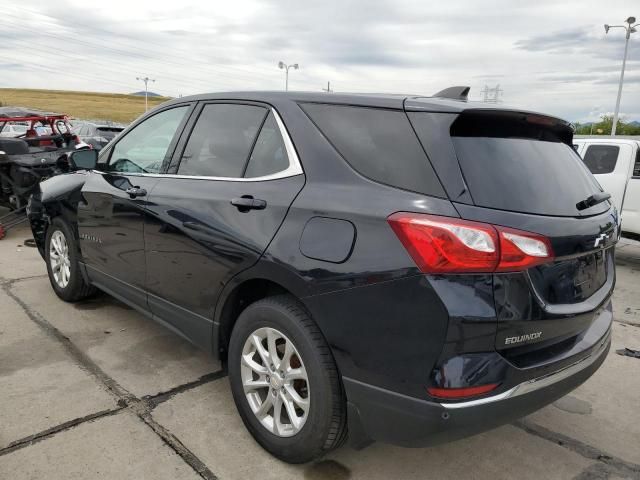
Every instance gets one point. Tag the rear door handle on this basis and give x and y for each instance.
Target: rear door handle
(134, 192)
(247, 202)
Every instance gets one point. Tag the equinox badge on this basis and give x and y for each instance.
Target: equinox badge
(522, 338)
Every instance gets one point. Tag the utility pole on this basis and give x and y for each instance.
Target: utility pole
(285, 67)
(146, 80)
(629, 29)
(328, 89)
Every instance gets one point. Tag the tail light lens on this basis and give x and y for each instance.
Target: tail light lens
(522, 250)
(451, 245)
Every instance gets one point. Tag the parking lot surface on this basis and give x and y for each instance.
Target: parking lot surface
(95, 390)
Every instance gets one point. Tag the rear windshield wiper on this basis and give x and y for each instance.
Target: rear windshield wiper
(592, 200)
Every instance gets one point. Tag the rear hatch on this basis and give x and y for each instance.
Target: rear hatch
(519, 170)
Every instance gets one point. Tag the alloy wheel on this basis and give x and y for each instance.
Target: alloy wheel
(59, 259)
(275, 382)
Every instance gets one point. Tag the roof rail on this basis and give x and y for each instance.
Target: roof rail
(455, 93)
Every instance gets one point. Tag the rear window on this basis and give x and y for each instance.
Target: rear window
(521, 164)
(601, 159)
(379, 144)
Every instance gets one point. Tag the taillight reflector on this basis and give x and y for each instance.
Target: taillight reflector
(452, 245)
(460, 393)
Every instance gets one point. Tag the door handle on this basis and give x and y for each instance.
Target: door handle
(247, 202)
(134, 192)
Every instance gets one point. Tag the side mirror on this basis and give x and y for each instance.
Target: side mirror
(83, 159)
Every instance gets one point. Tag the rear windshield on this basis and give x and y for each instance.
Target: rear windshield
(523, 168)
(379, 144)
(601, 159)
(110, 129)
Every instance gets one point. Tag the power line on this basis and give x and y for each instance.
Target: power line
(163, 57)
(252, 74)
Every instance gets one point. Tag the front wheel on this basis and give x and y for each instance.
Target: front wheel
(61, 256)
(284, 381)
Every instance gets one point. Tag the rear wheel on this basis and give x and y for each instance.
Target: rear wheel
(61, 255)
(284, 381)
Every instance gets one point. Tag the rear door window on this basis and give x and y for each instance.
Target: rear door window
(379, 144)
(512, 163)
(601, 159)
(636, 166)
(221, 140)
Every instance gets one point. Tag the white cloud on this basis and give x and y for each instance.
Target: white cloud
(548, 55)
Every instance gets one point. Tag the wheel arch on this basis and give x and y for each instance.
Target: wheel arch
(42, 215)
(248, 287)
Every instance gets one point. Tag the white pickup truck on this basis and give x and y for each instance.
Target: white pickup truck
(615, 162)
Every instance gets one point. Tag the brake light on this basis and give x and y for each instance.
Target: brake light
(460, 393)
(452, 245)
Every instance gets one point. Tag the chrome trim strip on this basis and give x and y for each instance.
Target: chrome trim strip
(536, 383)
(294, 168)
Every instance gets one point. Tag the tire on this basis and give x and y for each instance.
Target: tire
(324, 421)
(75, 287)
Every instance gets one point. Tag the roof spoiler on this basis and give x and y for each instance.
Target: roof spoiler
(454, 93)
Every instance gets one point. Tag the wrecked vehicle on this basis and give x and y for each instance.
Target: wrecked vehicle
(29, 158)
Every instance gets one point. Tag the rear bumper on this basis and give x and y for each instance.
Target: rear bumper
(386, 416)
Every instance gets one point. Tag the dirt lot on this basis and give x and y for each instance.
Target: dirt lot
(94, 390)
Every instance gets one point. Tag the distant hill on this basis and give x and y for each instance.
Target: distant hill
(149, 94)
(106, 106)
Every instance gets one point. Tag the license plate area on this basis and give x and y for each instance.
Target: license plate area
(573, 280)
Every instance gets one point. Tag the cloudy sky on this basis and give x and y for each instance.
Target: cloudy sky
(551, 56)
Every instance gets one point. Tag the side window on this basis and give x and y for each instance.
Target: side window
(601, 159)
(636, 166)
(143, 149)
(380, 144)
(220, 142)
(269, 154)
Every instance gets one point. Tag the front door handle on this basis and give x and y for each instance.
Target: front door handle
(247, 202)
(134, 192)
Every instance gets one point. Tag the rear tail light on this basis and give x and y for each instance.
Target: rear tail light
(452, 245)
(460, 393)
(522, 250)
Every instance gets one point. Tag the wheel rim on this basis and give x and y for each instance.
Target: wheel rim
(275, 382)
(59, 259)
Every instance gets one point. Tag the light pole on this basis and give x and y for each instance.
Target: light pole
(146, 80)
(281, 66)
(629, 29)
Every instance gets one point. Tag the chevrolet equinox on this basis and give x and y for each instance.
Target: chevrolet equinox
(391, 268)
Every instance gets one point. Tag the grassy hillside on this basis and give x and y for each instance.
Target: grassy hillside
(86, 105)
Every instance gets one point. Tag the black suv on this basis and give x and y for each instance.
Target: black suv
(411, 270)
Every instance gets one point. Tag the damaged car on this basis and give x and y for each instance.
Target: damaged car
(30, 157)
